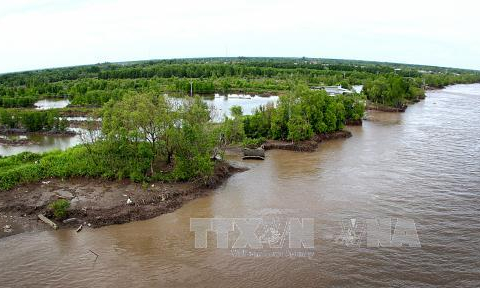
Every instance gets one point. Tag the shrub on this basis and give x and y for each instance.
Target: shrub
(59, 208)
(253, 143)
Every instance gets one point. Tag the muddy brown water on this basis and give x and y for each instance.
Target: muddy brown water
(422, 165)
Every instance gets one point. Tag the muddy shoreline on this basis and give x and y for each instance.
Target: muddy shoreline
(96, 202)
(46, 133)
(4, 140)
(15, 142)
(307, 145)
(382, 108)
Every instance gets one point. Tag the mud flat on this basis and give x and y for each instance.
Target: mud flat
(307, 145)
(382, 108)
(97, 202)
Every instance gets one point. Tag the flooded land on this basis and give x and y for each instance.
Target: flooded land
(421, 165)
(219, 104)
(51, 104)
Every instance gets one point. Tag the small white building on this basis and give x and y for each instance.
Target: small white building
(333, 90)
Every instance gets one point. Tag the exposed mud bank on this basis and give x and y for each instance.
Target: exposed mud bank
(403, 108)
(382, 108)
(96, 202)
(15, 142)
(20, 137)
(333, 135)
(308, 145)
(88, 125)
(253, 92)
(45, 133)
(358, 122)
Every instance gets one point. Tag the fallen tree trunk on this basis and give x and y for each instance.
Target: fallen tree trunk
(48, 221)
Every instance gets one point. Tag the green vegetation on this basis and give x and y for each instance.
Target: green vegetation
(145, 136)
(232, 128)
(301, 114)
(19, 101)
(149, 137)
(32, 121)
(392, 91)
(59, 208)
(253, 143)
(97, 84)
(151, 131)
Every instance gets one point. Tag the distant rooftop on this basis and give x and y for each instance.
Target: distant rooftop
(332, 90)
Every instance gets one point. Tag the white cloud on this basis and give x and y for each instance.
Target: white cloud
(50, 33)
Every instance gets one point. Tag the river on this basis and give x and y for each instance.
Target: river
(421, 165)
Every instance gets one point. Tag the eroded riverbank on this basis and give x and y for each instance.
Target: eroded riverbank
(96, 202)
(307, 145)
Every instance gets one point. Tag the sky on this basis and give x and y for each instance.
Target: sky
(37, 34)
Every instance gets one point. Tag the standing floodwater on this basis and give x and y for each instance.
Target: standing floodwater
(51, 104)
(421, 165)
(219, 104)
(41, 143)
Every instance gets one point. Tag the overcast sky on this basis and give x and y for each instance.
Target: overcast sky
(51, 33)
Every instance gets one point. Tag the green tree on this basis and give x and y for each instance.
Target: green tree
(196, 142)
(233, 128)
(146, 118)
(299, 129)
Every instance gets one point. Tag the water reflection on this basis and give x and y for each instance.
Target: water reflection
(51, 104)
(41, 143)
(222, 104)
(357, 88)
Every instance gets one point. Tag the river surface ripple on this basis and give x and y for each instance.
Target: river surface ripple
(421, 165)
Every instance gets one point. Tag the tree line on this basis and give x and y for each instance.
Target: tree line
(148, 137)
(32, 121)
(297, 116)
(392, 90)
(97, 84)
(144, 137)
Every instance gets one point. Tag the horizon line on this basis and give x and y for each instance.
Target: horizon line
(232, 57)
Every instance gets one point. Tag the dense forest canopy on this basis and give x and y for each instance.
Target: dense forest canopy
(146, 136)
(96, 84)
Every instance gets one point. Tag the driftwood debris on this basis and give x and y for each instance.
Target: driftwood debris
(48, 221)
(79, 228)
(258, 153)
(96, 255)
(69, 220)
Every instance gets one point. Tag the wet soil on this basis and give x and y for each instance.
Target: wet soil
(97, 202)
(307, 145)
